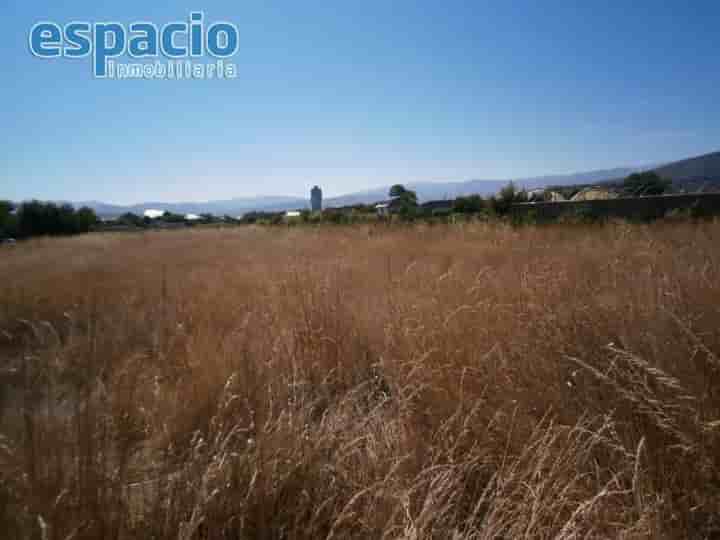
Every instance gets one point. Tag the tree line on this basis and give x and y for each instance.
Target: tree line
(406, 203)
(36, 218)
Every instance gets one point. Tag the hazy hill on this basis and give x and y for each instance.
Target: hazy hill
(700, 173)
(231, 207)
(706, 166)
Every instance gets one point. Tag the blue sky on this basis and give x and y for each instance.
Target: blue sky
(354, 95)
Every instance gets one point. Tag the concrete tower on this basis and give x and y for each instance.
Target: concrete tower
(316, 199)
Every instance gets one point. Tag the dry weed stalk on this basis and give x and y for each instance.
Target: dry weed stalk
(418, 382)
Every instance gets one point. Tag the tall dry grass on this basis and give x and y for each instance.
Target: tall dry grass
(470, 381)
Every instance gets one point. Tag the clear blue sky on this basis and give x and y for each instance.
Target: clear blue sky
(353, 95)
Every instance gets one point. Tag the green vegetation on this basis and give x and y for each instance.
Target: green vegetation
(169, 217)
(8, 222)
(131, 219)
(37, 218)
(472, 204)
(500, 205)
(645, 183)
(404, 200)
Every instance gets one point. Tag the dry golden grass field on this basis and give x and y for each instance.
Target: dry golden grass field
(470, 381)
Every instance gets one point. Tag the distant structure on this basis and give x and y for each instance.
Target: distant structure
(153, 214)
(316, 199)
(382, 209)
(545, 195)
(594, 194)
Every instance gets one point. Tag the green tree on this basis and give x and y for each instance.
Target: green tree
(405, 199)
(508, 196)
(129, 218)
(8, 223)
(35, 218)
(169, 217)
(398, 191)
(472, 204)
(249, 218)
(66, 221)
(85, 219)
(646, 183)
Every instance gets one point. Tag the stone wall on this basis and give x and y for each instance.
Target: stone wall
(634, 208)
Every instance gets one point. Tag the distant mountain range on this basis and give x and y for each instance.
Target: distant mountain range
(690, 175)
(231, 207)
(426, 191)
(694, 174)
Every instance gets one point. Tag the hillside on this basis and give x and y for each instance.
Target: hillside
(701, 173)
(232, 207)
(701, 167)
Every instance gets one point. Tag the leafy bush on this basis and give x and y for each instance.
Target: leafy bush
(472, 204)
(8, 221)
(36, 218)
(646, 183)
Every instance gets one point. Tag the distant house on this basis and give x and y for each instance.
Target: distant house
(545, 195)
(594, 194)
(391, 206)
(382, 209)
(554, 196)
(385, 208)
(434, 208)
(536, 195)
